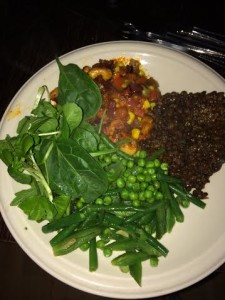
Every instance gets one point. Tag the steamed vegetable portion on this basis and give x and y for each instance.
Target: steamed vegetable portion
(91, 195)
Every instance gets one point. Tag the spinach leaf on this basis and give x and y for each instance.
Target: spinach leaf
(73, 114)
(36, 206)
(72, 171)
(24, 125)
(45, 109)
(86, 139)
(6, 151)
(18, 175)
(61, 204)
(76, 86)
(43, 125)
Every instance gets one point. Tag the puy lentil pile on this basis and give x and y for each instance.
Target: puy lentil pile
(191, 128)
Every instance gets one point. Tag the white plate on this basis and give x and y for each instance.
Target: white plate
(197, 246)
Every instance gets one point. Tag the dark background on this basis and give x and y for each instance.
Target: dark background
(32, 34)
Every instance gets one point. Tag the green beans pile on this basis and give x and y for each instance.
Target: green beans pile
(143, 202)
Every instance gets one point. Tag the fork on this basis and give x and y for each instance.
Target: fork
(206, 45)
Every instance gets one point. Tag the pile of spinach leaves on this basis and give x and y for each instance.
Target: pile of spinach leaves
(51, 152)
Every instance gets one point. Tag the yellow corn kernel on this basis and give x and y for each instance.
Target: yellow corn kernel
(153, 104)
(146, 104)
(131, 117)
(135, 133)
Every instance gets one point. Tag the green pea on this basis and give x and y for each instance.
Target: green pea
(99, 201)
(84, 247)
(127, 173)
(120, 183)
(100, 244)
(156, 184)
(136, 203)
(157, 162)
(151, 171)
(107, 200)
(143, 185)
(107, 252)
(154, 177)
(132, 178)
(148, 178)
(142, 154)
(130, 164)
(107, 159)
(80, 203)
(129, 185)
(164, 166)
(151, 188)
(159, 196)
(141, 177)
(114, 157)
(140, 169)
(150, 164)
(141, 162)
(133, 196)
(124, 194)
(148, 194)
(136, 186)
(141, 196)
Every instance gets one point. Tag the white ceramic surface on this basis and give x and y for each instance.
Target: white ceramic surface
(197, 246)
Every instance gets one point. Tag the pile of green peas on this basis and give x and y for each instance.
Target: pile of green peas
(138, 182)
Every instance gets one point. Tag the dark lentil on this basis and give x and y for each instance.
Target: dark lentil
(191, 128)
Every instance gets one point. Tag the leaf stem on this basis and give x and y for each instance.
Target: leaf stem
(37, 174)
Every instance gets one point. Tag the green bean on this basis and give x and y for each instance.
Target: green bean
(154, 260)
(160, 222)
(167, 178)
(65, 232)
(180, 191)
(170, 219)
(140, 214)
(115, 208)
(75, 218)
(75, 240)
(157, 245)
(136, 272)
(172, 202)
(120, 153)
(132, 244)
(93, 255)
(123, 245)
(129, 258)
(91, 220)
(146, 218)
(110, 220)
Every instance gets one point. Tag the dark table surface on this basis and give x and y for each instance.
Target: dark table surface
(32, 34)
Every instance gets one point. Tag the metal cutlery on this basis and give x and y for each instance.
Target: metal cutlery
(205, 45)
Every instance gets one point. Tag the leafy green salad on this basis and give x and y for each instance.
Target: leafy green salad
(84, 189)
